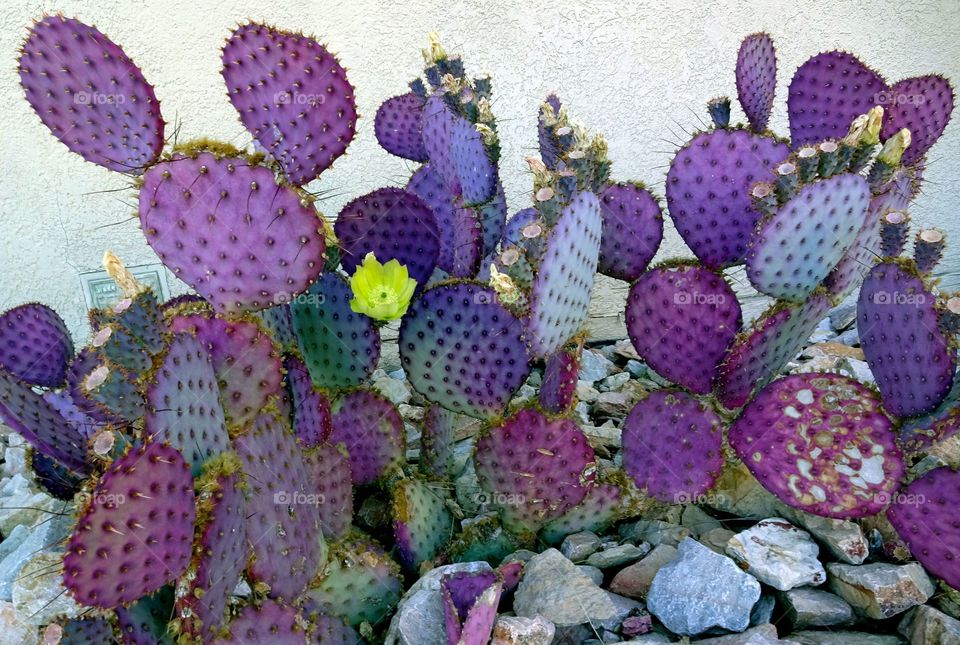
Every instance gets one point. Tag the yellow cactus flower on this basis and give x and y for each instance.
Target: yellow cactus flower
(381, 291)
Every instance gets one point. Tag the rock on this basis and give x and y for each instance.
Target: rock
(833, 349)
(38, 592)
(700, 589)
(858, 370)
(594, 366)
(525, 394)
(396, 390)
(21, 504)
(881, 590)
(612, 405)
(419, 617)
(717, 539)
(655, 532)
(535, 379)
(518, 630)
(552, 587)
(375, 512)
(844, 539)
(586, 392)
(762, 612)
(779, 554)
(850, 337)
(636, 369)
(411, 412)
(739, 493)
(579, 546)
(928, 626)
(467, 489)
(614, 382)
(759, 635)
(624, 350)
(591, 572)
(14, 630)
(625, 607)
(841, 638)
(619, 555)
(698, 520)
(843, 315)
(815, 608)
(605, 435)
(634, 581)
(637, 625)
(582, 411)
(655, 637)
(14, 460)
(520, 555)
(23, 543)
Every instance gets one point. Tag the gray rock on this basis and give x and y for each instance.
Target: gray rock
(759, 635)
(698, 520)
(23, 543)
(779, 554)
(582, 411)
(739, 493)
(535, 379)
(518, 630)
(467, 489)
(815, 608)
(716, 540)
(594, 366)
(636, 369)
(655, 532)
(619, 555)
(419, 617)
(397, 391)
(580, 546)
(22, 504)
(634, 581)
(850, 338)
(653, 637)
(859, 370)
(624, 349)
(525, 394)
(762, 612)
(520, 555)
(14, 628)
(624, 608)
(700, 589)
(612, 405)
(591, 572)
(844, 539)
(554, 588)
(614, 382)
(881, 590)
(842, 316)
(38, 592)
(841, 638)
(928, 626)
(586, 392)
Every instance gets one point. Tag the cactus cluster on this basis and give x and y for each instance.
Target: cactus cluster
(235, 436)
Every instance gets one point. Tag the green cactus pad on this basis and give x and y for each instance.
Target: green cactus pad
(147, 621)
(422, 525)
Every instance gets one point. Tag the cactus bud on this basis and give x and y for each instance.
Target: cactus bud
(787, 181)
(719, 110)
(828, 158)
(488, 135)
(764, 198)
(874, 122)
(507, 291)
(434, 53)
(928, 249)
(893, 233)
(894, 148)
(807, 162)
(129, 286)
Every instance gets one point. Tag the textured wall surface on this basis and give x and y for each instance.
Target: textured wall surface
(638, 71)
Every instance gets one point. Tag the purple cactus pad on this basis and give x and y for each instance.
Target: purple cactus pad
(559, 387)
(331, 478)
(632, 230)
(35, 345)
(437, 133)
(549, 150)
(372, 431)
(269, 623)
(923, 105)
(596, 512)
(476, 172)
(397, 126)
(422, 525)
(470, 601)
(147, 621)
(436, 442)
(312, 418)
(856, 262)
(757, 78)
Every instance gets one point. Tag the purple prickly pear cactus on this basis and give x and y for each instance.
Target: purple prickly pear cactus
(708, 191)
(436, 442)
(673, 446)
(470, 603)
(475, 170)
(632, 230)
(35, 345)
(331, 479)
(925, 515)
(757, 79)
(437, 130)
(147, 621)
(537, 469)
(422, 525)
(292, 95)
(493, 216)
(598, 510)
(559, 387)
(393, 224)
(549, 151)
(268, 623)
(372, 431)
(312, 418)
(226, 228)
(793, 252)
(923, 105)
(54, 478)
(91, 95)
(330, 630)
(397, 126)
(911, 358)
(681, 320)
(135, 532)
(86, 631)
(463, 350)
(836, 465)
(853, 266)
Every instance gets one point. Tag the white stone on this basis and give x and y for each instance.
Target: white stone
(38, 592)
(779, 554)
(14, 630)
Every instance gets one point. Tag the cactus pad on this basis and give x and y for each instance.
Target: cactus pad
(183, 405)
(331, 478)
(681, 319)
(708, 191)
(794, 251)
(596, 512)
(330, 630)
(475, 170)
(463, 350)
(292, 95)
(672, 446)
(35, 345)
(422, 525)
(81, 365)
(919, 433)
(535, 469)
(282, 520)
(923, 105)
(397, 126)
(794, 439)
(86, 631)
(91, 95)
(340, 348)
(470, 602)
(827, 93)
(632, 230)
(393, 224)
(226, 228)
(372, 431)
(52, 477)
(559, 387)
(135, 532)
(758, 354)
(436, 442)
(757, 79)
(911, 358)
(312, 418)
(560, 297)
(925, 515)
(147, 621)
(267, 624)
(549, 150)
(855, 263)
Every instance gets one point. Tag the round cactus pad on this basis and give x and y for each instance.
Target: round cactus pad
(708, 191)
(293, 96)
(135, 532)
(757, 78)
(559, 387)
(340, 348)
(681, 319)
(925, 515)
(923, 105)
(911, 358)
(795, 249)
(632, 230)
(758, 354)
(463, 350)
(827, 93)
(91, 95)
(35, 345)
(269, 623)
(372, 431)
(920, 433)
(560, 297)
(821, 443)
(596, 512)
(422, 525)
(672, 446)
(397, 126)
(457, 152)
(228, 230)
(331, 478)
(535, 469)
(393, 224)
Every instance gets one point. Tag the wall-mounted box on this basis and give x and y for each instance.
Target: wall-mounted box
(100, 291)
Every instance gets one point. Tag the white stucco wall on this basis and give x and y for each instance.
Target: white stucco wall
(640, 72)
